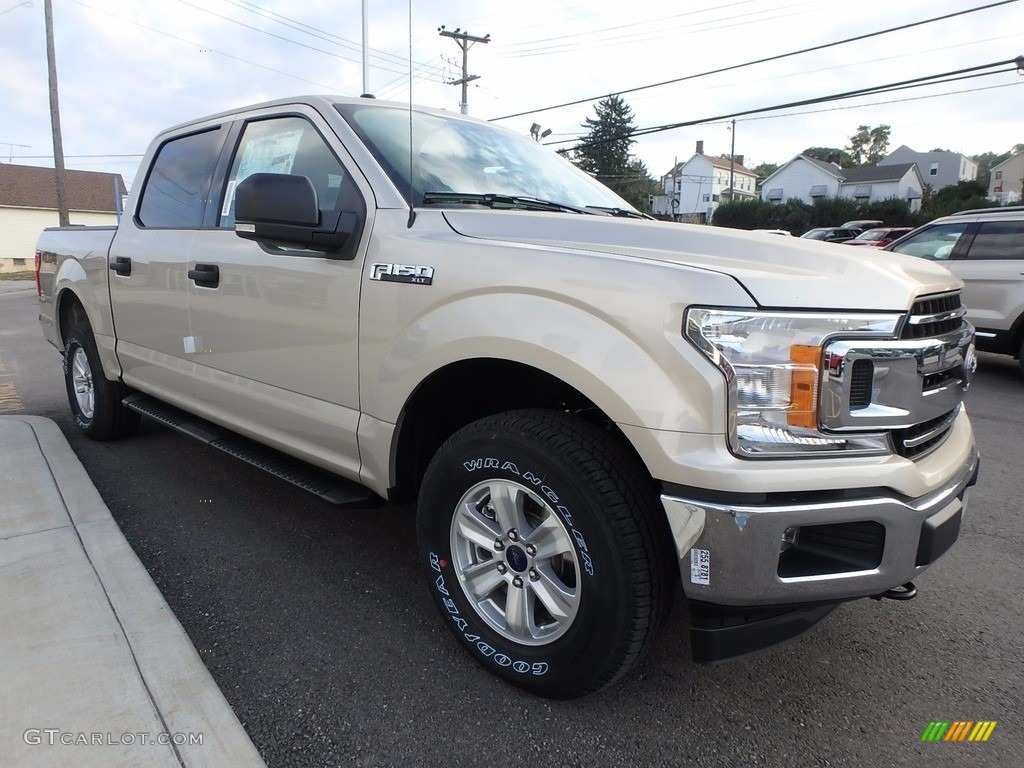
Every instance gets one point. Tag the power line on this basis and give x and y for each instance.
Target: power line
(760, 61)
(916, 82)
(332, 54)
(198, 45)
(329, 37)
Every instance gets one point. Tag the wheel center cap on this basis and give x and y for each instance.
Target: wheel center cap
(516, 558)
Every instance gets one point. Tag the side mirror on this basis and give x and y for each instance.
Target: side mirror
(283, 209)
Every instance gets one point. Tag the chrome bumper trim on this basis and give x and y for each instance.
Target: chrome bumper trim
(729, 554)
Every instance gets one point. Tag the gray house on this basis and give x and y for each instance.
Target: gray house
(937, 169)
(880, 182)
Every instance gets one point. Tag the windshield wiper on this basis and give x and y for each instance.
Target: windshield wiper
(623, 212)
(492, 200)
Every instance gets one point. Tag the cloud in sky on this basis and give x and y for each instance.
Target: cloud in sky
(130, 68)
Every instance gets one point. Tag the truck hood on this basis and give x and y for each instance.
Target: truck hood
(776, 271)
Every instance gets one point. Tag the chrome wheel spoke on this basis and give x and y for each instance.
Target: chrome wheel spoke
(560, 600)
(482, 579)
(518, 613)
(476, 528)
(550, 538)
(507, 501)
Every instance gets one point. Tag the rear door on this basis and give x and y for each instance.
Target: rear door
(148, 264)
(993, 270)
(276, 329)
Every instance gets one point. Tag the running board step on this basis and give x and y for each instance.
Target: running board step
(328, 486)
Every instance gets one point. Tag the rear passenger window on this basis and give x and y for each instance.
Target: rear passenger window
(288, 145)
(998, 240)
(178, 186)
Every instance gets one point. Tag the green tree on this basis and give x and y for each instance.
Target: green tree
(764, 170)
(825, 154)
(604, 150)
(637, 186)
(958, 197)
(986, 162)
(869, 145)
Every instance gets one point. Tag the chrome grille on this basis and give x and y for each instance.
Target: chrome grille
(921, 439)
(934, 316)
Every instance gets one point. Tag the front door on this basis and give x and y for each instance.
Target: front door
(275, 329)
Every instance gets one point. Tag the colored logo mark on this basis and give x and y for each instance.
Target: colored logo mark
(958, 730)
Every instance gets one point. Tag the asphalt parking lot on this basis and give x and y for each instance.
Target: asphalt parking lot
(318, 627)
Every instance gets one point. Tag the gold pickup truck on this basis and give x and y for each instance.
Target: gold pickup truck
(592, 409)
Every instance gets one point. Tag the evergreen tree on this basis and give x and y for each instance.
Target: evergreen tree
(604, 151)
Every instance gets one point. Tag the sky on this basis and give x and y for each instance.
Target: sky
(130, 68)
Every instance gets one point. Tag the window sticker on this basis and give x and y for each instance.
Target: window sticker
(268, 154)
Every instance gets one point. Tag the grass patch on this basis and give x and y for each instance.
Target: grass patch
(28, 275)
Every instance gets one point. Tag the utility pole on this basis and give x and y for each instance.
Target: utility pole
(732, 164)
(366, 54)
(465, 42)
(58, 144)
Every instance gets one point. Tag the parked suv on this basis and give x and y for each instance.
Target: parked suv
(984, 248)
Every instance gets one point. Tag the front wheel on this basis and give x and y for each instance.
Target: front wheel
(95, 401)
(547, 551)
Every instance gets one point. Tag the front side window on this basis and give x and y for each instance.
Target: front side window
(288, 145)
(998, 240)
(178, 186)
(935, 242)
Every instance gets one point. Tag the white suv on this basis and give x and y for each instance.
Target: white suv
(985, 249)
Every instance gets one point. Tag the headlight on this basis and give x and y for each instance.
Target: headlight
(772, 362)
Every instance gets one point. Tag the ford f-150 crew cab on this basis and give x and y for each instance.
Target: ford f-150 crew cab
(591, 408)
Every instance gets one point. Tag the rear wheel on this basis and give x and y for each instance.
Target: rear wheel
(547, 550)
(95, 401)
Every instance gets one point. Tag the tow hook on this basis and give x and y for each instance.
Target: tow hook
(903, 592)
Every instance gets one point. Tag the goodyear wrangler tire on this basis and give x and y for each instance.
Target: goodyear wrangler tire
(547, 550)
(95, 401)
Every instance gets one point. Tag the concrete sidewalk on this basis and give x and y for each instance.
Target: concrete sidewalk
(95, 670)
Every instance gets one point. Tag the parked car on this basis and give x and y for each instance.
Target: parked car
(984, 248)
(830, 234)
(879, 237)
(861, 224)
(773, 232)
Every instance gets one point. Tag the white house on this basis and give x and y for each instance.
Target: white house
(1006, 185)
(693, 190)
(803, 178)
(28, 204)
(937, 169)
(807, 179)
(881, 182)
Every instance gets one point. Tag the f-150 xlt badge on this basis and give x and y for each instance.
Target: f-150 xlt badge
(402, 273)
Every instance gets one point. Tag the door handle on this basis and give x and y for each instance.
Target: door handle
(205, 275)
(122, 265)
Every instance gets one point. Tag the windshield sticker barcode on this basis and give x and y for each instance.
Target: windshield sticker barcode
(700, 566)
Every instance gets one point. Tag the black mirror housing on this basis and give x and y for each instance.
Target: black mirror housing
(279, 208)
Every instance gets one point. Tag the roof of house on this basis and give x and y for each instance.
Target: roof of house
(872, 173)
(29, 186)
(718, 162)
(827, 167)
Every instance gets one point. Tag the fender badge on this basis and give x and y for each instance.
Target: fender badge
(402, 273)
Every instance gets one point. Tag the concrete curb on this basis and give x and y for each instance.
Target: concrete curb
(96, 669)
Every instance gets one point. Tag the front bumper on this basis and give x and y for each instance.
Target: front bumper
(846, 545)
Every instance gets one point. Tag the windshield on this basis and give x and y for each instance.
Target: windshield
(462, 156)
(873, 234)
